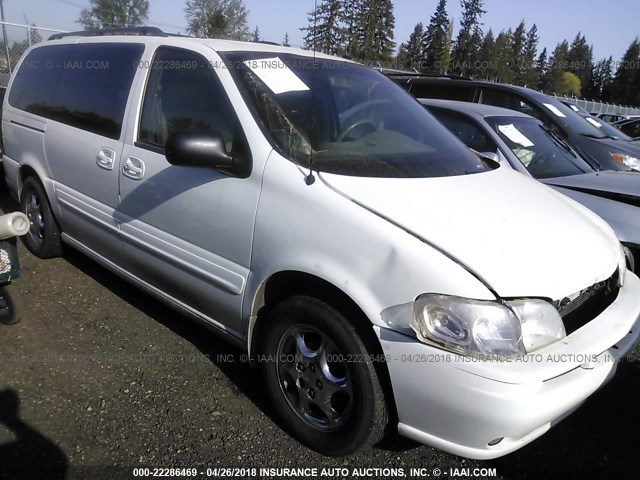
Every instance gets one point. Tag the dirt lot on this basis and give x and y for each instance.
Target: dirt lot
(106, 378)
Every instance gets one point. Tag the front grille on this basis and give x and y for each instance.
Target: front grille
(589, 303)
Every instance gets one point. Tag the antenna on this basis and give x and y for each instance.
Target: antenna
(311, 179)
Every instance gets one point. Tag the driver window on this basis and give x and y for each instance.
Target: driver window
(183, 93)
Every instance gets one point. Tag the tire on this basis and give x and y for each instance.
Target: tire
(43, 238)
(11, 305)
(334, 407)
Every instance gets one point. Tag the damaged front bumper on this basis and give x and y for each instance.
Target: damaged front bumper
(484, 409)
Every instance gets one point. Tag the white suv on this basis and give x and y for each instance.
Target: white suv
(305, 207)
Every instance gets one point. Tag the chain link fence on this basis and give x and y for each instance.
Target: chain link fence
(15, 39)
(599, 107)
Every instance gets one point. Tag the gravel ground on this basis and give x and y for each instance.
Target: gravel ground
(142, 386)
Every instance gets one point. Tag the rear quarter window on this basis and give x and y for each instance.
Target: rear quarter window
(85, 86)
(462, 93)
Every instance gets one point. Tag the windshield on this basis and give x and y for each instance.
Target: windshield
(609, 130)
(347, 119)
(570, 118)
(542, 153)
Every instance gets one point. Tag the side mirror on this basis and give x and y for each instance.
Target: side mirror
(203, 149)
(490, 156)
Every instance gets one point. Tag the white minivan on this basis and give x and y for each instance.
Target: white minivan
(381, 275)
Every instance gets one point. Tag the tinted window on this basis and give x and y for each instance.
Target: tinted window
(463, 93)
(183, 93)
(504, 99)
(466, 130)
(85, 86)
(346, 119)
(631, 128)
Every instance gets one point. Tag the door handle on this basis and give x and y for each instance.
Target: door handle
(106, 158)
(134, 168)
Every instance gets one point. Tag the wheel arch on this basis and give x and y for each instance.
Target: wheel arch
(284, 284)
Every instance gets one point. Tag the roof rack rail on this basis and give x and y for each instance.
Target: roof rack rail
(267, 42)
(137, 31)
(395, 73)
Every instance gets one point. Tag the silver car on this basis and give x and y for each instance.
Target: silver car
(530, 147)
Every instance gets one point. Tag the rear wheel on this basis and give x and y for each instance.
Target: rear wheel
(43, 238)
(321, 378)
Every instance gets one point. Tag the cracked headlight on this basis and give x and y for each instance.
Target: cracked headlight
(628, 160)
(471, 327)
(541, 323)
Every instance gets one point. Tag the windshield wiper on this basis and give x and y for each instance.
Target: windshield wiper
(556, 138)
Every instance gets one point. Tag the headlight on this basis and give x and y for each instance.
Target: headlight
(541, 323)
(470, 327)
(628, 160)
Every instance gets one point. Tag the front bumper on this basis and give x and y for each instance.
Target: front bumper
(463, 406)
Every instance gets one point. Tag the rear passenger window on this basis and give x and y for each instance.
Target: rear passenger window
(85, 85)
(500, 98)
(184, 93)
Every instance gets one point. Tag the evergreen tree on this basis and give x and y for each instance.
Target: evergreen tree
(543, 72)
(436, 45)
(374, 30)
(489, 57)
(504, 57)
(349, 32)
(324, 30)
(217, 19)
(114, 14)
(600, 80)
(410, 54)
(517, 51)
(625, 82)
(606, 80)
(469, 39)
(255, 35)
(530, 76)
(580, 59)
(285, 41)
(558, 63)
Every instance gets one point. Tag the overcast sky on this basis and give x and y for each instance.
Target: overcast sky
(609, 26)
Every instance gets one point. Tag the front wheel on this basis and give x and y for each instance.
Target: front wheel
(321, 377)
(11, 305)
(43, 238)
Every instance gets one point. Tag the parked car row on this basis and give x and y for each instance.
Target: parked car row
(610, 130)
(610, 192)
(381, 275)
(530, 147)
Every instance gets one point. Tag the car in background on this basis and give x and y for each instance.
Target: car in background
(602, 152)
(630, 127)
(528, 146)
(611, 131)
(612, 117)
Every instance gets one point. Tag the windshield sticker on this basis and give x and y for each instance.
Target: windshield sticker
(594, 122)
(276, 75)
(555, 110)
(515, 135)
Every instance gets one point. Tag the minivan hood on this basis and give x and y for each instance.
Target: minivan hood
(517, 235)
(625, 184)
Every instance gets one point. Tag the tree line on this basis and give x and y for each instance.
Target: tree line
(363, 30)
